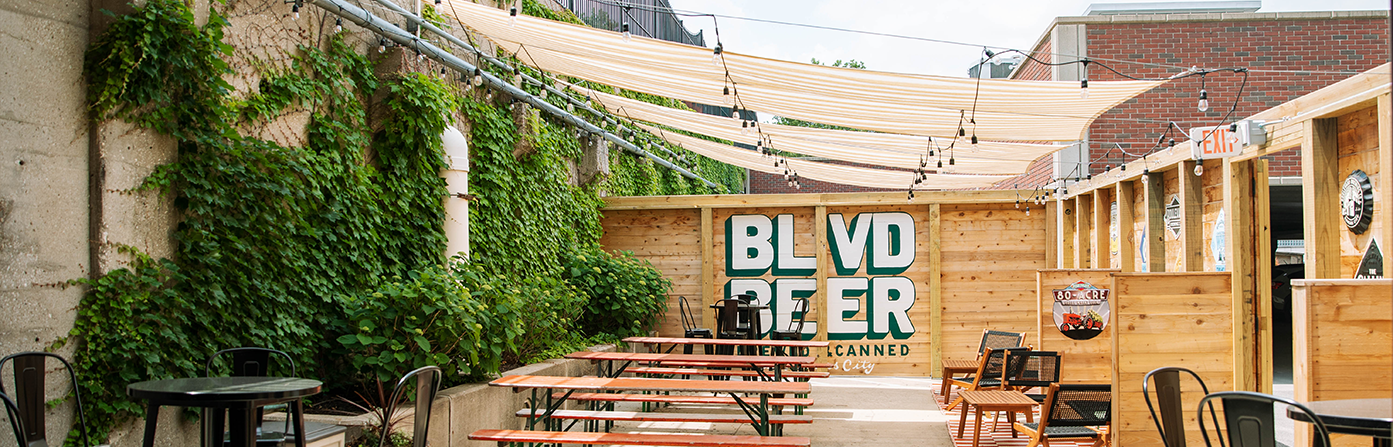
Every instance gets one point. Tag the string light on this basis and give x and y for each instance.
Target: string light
(478, 77)
(1083, 80)
(513, 17)
(1204, 101)
(1199, 167)
(734, 113)
(625, 30)
(1145, 175)
(338, 25)
(716, 55)
(381, 45)
(295, 8)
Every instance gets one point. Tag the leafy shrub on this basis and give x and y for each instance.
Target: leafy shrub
(628, 296)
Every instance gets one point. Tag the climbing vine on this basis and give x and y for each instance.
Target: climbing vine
(313, 249)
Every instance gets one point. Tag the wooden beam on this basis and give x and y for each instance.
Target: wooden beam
(824, 265)
(1083, 216)
(1068, 234)
(1384, 193)
(1320, 190)
(1238, 207)
(1262, 241)
(1191, 218)
(794, 200)
(1126, 244)
(1155, 197)
(1102, 225)
(1051, 235)
(935, 288)
(708, 270)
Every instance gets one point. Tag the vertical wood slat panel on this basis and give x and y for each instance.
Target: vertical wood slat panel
(1341, 332)
(1149, 309)
(1082, 361)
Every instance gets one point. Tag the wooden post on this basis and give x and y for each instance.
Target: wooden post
(1262, 242)
(1384, 190)
(1320, 191)
(1155, 198)
(823, 261)
(935, 288)
(1068, 233)
(1238, 206)
(1191, 218)
(708, 270)
(1102, 225)
(1083, 215)
(1126, 245)
(1051, 235)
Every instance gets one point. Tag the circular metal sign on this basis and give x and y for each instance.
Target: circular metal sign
(1081, 311)
(1357, 202)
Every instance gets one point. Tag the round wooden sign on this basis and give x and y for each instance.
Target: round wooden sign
(1357, 202)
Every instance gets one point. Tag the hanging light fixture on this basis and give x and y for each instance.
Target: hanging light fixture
(512, 16)
(716, 55)
(624, 29)
(1083, 80)
(338, 25)
(1199, 167)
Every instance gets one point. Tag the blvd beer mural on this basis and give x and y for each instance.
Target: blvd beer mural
(868, 298)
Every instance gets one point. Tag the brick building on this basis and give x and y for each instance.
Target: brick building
(1288, 54)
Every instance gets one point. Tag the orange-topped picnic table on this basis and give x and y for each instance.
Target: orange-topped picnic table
(759, 413)
(655, 344)
(757, 362)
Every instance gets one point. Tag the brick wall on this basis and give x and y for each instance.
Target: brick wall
(762, 183)
(1276, 49)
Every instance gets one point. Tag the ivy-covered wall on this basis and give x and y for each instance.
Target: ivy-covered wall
(303, 222)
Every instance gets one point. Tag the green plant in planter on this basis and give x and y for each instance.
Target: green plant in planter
(628, 296)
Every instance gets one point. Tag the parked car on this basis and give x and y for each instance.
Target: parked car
(1281, 284)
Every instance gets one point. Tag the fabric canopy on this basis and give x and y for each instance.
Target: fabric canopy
(879, 149)
(826, 172)
(1005, 110)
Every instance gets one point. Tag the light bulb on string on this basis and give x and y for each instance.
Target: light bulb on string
(570, 108)
(1083, 89)
(734, 113)
(1027, 210)
(295, 8)
(716, 55)
(624, 28)
(745, 129)
(381, 45)
(512, 16)
(338, 25)
(1145, 175)
(544, 93)
(1204, 101)
(1199, 168)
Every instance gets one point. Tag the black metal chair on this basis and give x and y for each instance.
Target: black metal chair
(689, 325)
(250, 362)
(1171, 421)
(1027, 369)
(427, 384)
(29, 401)
(728, 324)
(998, 340)
(12, 411)
(1071, 411)
(1249, 419)
(794, 332)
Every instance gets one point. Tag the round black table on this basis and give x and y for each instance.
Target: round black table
(240, 396)
(1363, 417)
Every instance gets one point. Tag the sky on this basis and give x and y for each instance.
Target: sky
(996, 23)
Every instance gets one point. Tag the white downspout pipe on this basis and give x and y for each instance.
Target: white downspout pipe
(456, 175)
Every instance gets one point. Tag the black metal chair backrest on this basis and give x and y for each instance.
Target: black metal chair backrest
(12, 411)
(426, 380)
(29, 397)
(999, 339)
(1249, 420)
(727, 317)
(688, 320)
(1171, 421)
(1077, 405)
(993, 365)
(251, 361)
(1025, 368)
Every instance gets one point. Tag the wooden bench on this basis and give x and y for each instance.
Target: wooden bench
(504, 437)
(692, 364)
(723, 372)
(732, 418)
(678, 399)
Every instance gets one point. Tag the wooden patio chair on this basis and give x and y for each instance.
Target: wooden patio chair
(990, 340)
(988, 375)
(1072, 411)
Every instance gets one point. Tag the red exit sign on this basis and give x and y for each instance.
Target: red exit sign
(1209, 142)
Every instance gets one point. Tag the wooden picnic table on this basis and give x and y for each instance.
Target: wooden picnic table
(658, 342)
(758, 362)
(759, 413)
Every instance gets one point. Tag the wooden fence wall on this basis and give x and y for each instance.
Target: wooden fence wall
(974, 261)
(1082, 361)
(1168, 319)
(1342, 334)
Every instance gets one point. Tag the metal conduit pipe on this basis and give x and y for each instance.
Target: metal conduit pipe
(415, 18)
(366, 20)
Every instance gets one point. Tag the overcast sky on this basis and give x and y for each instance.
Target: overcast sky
(997, 23)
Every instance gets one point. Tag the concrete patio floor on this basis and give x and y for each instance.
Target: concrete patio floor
(848, 411)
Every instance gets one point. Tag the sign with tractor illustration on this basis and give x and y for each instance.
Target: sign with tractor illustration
(1081, 310)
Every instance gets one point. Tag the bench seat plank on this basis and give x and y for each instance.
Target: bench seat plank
(724, 372)
(681, 399)
(696, 364)
(647, 384)
(678, 440)
(645, 416)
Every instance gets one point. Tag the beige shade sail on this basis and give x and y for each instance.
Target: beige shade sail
(826, 172)
(880, 149)
(1005, 110)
